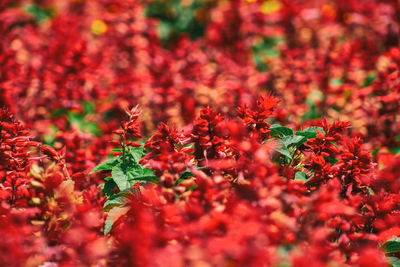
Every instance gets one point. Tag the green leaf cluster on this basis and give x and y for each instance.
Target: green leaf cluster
(290, 142)
(392, 246)
(265, 49)
(313, 111)
(394, 262)
(125, 172)
(176, 18)
(81, 120)
(40, 13)
(49, 138)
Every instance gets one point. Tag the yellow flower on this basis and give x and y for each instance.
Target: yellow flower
(270, 6)
(99, 27)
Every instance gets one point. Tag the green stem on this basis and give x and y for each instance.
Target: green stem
(123, 148)
(293, 155)
(66, 171)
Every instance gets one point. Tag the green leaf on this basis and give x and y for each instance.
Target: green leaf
(332, 161)
(108, 188)
(186, 174)
(313, 112)
(49, 138)
(106, 165)
(88, 107)
(310, 132)
(370, 191)
(85, 126)
(114, 214)
(277, 129)
(176, 18)
(120, 177)
(147, 171)
(395, 262)
(186, 17)
(395, 150)
(134, 170)
(284, 250)
(39, 13)
(136, 153)
(91, 127)
(158, 10)
(80, 120)
(179, 181)
(369, 80)
(265, 49)
(111, 203)
(293, 140)
(165, 31)
(300, 176)
(145, 175)
(76, 118)
(392, 245)
(147, 178)
(284, 151)
(336, 82)
(120, 199)
(58, 113)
